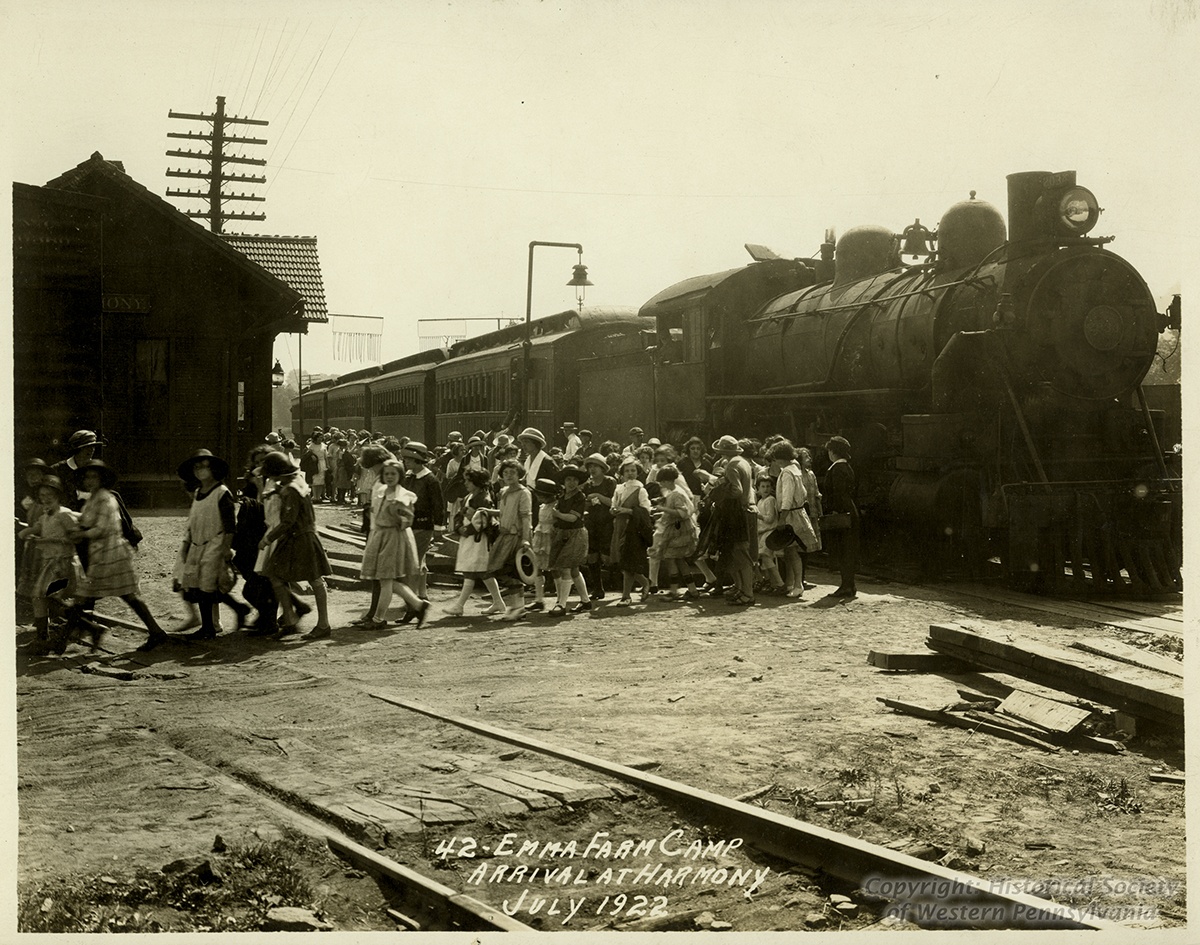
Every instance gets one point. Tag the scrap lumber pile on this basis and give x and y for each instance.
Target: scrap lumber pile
(1091, 676)
(1139, 690)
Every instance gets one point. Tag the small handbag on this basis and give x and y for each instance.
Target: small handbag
(836, 521)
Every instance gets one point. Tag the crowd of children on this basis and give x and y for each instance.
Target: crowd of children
(736, 519)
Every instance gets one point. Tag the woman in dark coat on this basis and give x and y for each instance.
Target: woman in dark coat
(839, 524)
(296, 552)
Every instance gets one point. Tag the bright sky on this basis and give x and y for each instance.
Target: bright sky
(425, 144)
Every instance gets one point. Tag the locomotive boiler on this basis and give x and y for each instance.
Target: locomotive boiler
(991, 390)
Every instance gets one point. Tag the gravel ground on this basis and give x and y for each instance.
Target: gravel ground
(728, 700)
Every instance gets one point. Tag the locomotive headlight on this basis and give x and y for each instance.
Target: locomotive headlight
(1078, 211)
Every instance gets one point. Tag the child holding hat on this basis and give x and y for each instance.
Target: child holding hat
(51, 552)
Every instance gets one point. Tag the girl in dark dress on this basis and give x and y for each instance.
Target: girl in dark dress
(569, 544)
(598, 520)
(297, 554)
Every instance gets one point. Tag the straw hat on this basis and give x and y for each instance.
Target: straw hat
(727, 445)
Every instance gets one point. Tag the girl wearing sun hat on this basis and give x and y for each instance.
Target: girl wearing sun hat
(202, 570)
(296, 553)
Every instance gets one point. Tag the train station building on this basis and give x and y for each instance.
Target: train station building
(133, 320)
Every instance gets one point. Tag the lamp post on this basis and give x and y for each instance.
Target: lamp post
(579, 280)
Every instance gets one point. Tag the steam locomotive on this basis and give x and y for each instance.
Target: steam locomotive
(990, 386)
(991, 390)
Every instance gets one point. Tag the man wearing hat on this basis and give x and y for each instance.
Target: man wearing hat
(573, 441)
(429, 511)
(273, 440)
(585, 444)
(82, 448)
(635, 440)
(740, 477)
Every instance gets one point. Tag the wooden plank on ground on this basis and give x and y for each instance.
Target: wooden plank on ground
(1134, 655)
(919, 662)
(1166, 777)
(1138, 691)
(590, 792)
(428, 812)
(1047, 713)
(974, 725)
(567, 795)
(387, 817)
(535, 800)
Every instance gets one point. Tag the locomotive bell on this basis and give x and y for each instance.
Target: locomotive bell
(967, 233)
(916, 240)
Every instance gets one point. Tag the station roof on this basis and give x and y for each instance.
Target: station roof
(292, 259)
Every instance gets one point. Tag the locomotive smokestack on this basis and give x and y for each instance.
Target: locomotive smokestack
(1023, 192)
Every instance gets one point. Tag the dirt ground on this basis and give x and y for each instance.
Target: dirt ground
(141, 772)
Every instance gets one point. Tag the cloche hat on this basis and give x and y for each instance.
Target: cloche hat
(82, 439)
(278, 464)
(531, 433)
(596, 459)
(418, 452)
(52, 482)
(108, 475)
(220, 468)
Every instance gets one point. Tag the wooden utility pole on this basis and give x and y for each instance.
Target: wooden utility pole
(217, 159)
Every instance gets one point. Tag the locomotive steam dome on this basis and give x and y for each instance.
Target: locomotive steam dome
(967, 233)
(865, 251)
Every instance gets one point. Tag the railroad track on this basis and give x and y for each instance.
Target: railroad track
(308, 788)
(1141, 616)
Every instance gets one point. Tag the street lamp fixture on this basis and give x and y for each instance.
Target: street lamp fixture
(277, 374)
(579, 280)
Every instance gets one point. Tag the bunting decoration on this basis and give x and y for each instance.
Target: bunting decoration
(357, 339)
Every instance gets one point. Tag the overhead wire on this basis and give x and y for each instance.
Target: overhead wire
(271, 67)
(288, 66)
(321, 95)
(311, 71)
(244, 100)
